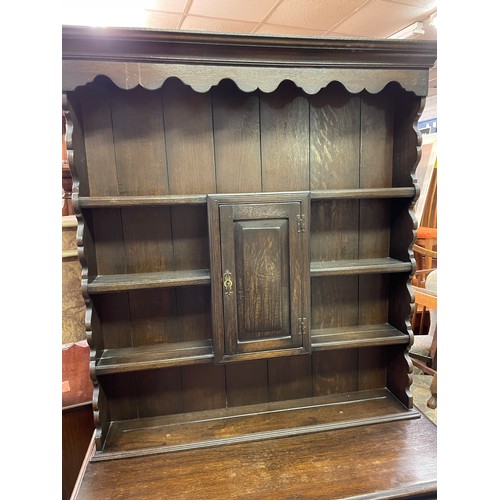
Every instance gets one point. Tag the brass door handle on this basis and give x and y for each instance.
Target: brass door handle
(227, 282)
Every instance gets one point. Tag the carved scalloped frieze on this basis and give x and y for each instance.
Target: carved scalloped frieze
(202, 78)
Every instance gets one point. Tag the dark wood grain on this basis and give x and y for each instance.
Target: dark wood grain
(247, 383)
(334, 139)
(285, 139)
(159, 392)
(236, 139)
(203, 387)
(218, 427)
(139, 140)
(359, 266)
(155, 355)
(136, 281)
(347, 464)
(99, 142)
(77, 429)
(356, 336)
(189, 140)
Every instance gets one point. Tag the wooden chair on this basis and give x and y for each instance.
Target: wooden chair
(424, 350)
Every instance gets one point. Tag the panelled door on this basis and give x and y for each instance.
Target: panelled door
(260, 275)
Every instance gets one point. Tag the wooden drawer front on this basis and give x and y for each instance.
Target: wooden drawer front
(259, 279)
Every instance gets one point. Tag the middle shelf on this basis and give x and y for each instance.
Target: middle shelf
(131, 359)
(193, 277)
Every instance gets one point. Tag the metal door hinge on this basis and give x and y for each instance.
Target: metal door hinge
(301, 224)
(302, 326)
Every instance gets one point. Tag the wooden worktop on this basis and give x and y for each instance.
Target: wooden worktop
(382, 461)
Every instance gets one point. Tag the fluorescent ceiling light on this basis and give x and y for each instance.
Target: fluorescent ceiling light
(414, 29)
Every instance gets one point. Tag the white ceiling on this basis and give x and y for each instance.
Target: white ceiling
(318, 18)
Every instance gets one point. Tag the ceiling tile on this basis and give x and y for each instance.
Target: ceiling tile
(162, 20)
(195, 23)
(165, 5)
(255, 10)
(380, 19)
(423, 4)
(318, 15)
(273, 29)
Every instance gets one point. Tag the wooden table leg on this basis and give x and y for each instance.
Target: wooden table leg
(432, 403)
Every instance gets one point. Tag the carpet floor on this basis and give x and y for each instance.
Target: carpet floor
(421, 394)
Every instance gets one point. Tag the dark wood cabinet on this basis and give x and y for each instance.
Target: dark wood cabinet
(245, 232)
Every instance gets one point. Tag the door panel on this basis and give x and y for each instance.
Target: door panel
(260, 275)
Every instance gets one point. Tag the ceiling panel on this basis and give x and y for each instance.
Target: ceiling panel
(254, 10)
(176, 6)
(318, 15)
(379, 19)
(195, 23)
(424, 4)
(273, 29)
(163, 20)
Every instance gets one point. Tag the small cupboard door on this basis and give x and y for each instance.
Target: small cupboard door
(260, 275)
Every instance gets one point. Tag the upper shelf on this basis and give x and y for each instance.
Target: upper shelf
(132, 57)
(200, 199)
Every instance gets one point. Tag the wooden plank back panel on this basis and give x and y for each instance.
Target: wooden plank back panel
(236, 139)
(372, 368)
(189, 139)
(334, 230)
(139, 142)
(112, 319)
(159, 392)
(407, 153)
(190, 237)
(376, 146)
(334, 138)
(290, 378)
(153, 316)
(100, 175)
(284, 118)
(121, 394)
(147, 239)
(203, 387)
(193, 313)
(246, 383)
(335, 372)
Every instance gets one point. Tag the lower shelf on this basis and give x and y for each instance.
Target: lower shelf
(204, 429)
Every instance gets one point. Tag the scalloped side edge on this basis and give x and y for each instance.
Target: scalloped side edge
(83, 262)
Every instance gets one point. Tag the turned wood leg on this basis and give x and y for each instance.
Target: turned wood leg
(432, 403)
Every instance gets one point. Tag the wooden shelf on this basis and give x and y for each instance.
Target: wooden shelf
(201, 199)
(359, 266)
(356, 336)
(362, 193)
(131, 359)
(257, 422)
(141, 201)
(123, 282)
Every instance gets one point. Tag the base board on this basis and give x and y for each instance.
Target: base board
(149, 436)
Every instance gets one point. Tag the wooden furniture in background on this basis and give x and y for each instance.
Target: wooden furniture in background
(77, 413)
(73, 305)
(67, 181)
(245, 232)
(77, 388)
(424, 349)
